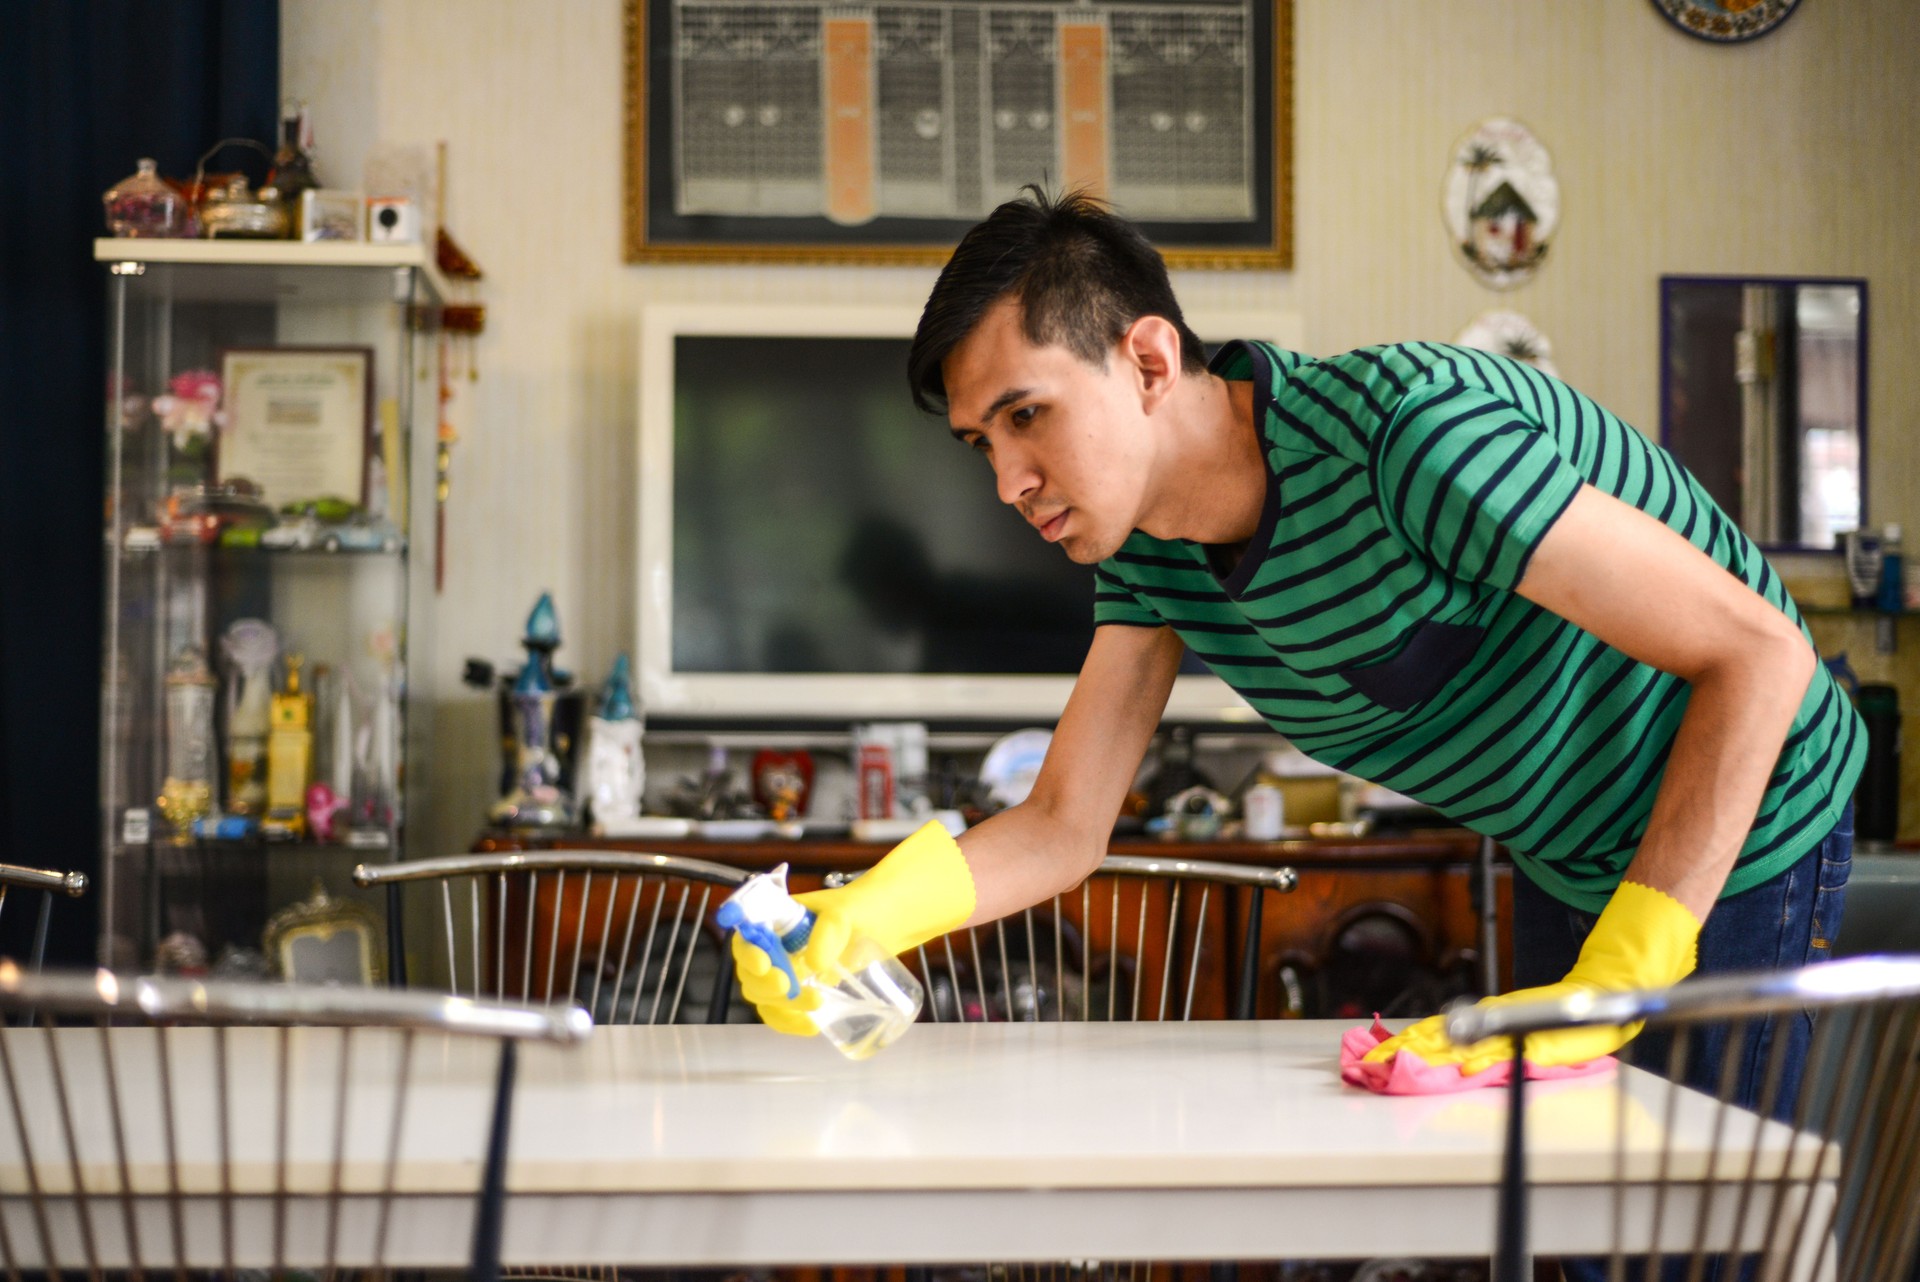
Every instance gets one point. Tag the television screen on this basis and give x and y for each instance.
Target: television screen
(822, 524)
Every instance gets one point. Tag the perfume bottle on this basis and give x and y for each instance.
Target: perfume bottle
(143, 204)
(289, 756)
(187, 792)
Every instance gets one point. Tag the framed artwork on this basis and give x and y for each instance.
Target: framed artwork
(809, 131)
(299, 421)
(323, 940)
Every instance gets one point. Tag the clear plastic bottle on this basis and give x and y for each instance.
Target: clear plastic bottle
(862, 1010)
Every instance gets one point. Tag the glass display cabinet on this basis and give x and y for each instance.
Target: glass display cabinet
(260, 413)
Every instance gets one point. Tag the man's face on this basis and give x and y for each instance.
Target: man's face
(1068, 441)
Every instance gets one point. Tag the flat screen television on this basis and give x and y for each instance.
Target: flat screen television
(813, 548)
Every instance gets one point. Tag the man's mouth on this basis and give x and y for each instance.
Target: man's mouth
(1053, 529)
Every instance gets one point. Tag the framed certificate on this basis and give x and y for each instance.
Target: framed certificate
(299, 421)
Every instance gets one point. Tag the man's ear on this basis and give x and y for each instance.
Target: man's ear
(1151, 349)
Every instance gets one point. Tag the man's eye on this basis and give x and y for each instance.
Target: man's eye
(1024, 415)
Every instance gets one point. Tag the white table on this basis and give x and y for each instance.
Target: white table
(694, 1145)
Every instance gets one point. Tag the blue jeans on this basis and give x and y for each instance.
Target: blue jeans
(1783, 923)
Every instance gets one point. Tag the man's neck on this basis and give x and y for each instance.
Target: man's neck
(1213, 472)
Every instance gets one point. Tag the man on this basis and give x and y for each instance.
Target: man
(1431, 567)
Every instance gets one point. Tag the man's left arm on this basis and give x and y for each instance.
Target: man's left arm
(1638, 586)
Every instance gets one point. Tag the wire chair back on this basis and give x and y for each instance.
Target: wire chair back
(628, 935)
(48, 883)
(1144, 938)
(176, 1126)
(1816, 1177)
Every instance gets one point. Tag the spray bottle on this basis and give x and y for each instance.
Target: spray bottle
(865, 1004)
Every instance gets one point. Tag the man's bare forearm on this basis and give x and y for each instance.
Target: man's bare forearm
(1727, 747)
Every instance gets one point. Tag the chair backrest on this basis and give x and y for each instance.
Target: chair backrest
(1144, 938)
(177, 1125)
(48, 883)
(620, 932)
(1816, 1176)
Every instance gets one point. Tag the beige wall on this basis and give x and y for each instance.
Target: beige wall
(1794, 154)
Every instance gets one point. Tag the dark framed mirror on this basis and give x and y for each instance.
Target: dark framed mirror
(1763, 397)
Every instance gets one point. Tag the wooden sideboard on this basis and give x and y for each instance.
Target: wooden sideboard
(1388, 922)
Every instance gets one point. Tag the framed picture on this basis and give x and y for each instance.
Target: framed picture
(322, 940)
(299, 421)
(809, 131)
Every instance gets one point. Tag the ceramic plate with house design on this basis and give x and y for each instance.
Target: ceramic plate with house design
(1509, 334)
(1501, 202)
(1726, 21)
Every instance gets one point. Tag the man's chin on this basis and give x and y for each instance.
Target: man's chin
(1086, 551)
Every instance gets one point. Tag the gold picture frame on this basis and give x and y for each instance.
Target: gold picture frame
(323, 940)
(660, 227)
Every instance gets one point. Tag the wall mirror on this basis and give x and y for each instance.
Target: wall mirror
(1763, 397)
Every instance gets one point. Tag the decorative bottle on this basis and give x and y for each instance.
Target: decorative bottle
(289, 757)
(143, 204)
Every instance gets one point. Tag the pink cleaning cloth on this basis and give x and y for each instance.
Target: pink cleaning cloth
(1408, 1074)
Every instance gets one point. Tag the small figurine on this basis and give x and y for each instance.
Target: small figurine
(190, 409)
(250, 646)
(616, 768)
(535, 798)
(782, 782)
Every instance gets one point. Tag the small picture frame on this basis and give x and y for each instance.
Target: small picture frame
(332, 215)
(299, 422)
(323, 940)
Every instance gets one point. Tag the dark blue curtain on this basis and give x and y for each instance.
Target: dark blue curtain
(86, 89)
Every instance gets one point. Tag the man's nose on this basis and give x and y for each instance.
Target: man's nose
(1014, 476)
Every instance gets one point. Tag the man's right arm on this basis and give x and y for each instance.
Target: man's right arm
(1055, 838)
(929, 885)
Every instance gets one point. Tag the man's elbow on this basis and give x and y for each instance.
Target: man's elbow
(1770, 656)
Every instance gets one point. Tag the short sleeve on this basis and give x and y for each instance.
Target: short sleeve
(1115, 602)
(1470, 482)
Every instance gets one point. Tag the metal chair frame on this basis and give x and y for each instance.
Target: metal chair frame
(616, 867)
(104, 999)
(48, 883)
(1864, 1118)
(1141, 868)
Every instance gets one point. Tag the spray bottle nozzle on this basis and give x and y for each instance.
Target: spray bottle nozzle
(770, 919)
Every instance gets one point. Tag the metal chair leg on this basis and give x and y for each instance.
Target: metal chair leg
(490, 1214)
(1510, 1234)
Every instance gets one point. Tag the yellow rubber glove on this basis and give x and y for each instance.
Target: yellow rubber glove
(920, 891)
(1645, 938)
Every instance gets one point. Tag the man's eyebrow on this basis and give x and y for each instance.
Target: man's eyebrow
(1000, 402)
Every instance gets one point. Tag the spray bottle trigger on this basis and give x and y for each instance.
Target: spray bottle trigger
(762, 938)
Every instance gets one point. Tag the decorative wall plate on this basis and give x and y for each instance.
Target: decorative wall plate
(1501, 202)
(1510, 334)
(1726, 21)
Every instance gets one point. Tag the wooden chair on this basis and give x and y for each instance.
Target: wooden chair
(621, 932)
(1828, 1190)
(175, 1125)
(48, 883)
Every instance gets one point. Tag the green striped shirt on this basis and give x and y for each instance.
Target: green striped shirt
(1373, 622)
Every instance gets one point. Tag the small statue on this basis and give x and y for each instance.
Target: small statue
(616, 768)
(536, 798)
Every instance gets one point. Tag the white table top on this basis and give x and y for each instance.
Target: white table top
(1048, 1106)
(735, 1144)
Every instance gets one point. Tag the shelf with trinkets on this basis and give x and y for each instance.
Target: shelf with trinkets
(262, 476)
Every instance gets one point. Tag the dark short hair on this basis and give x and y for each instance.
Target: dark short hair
(1081, 272)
